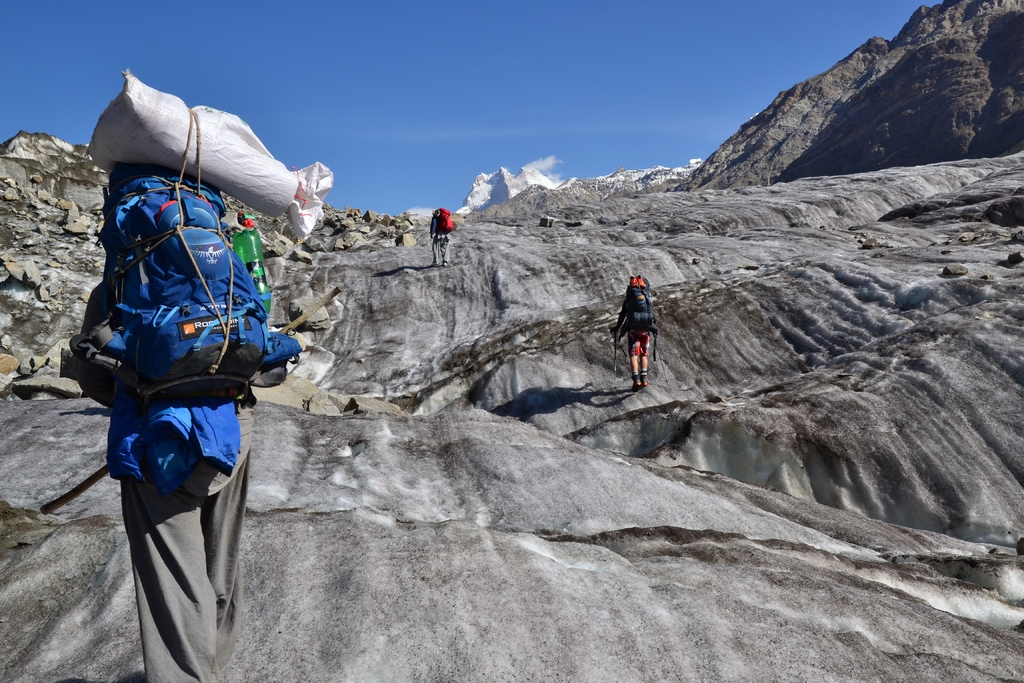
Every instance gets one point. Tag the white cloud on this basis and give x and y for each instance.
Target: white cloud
(545, 165)
(421, 211)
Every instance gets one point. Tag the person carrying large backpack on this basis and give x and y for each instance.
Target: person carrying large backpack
(636, 319)
(441, 227)
(172, 340)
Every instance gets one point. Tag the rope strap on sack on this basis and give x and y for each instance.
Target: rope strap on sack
(223, 320)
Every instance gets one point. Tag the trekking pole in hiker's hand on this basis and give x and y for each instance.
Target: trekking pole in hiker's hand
(615, 351)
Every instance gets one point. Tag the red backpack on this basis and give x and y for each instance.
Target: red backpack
(445, 224)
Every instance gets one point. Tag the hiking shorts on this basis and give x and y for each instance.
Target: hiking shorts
(639, 342)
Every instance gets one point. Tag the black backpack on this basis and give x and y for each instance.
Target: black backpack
(639, 310)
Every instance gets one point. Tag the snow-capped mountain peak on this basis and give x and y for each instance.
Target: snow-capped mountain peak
(490, 189)
(494, 188)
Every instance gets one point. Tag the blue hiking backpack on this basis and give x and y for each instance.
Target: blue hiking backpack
(639, 309)
(173, 286)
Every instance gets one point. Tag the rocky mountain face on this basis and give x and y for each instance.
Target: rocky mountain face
(504, 194)
(949, 86)
(823, 481)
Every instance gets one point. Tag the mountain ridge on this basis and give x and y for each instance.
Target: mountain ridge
(502, 194)
(949, 86)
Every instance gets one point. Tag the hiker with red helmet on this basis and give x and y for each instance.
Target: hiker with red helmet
(636, 319)
(441, 226)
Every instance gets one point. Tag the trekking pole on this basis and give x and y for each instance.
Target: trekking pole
(75, 492)
(615, 358)
(316, 307)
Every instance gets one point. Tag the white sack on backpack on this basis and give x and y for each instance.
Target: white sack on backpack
(146, 126)
(308, 206)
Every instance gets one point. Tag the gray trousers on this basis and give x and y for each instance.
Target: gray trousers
(441, 244)
(188, 586)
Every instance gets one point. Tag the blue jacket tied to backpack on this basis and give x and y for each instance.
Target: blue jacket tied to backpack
(170, 437)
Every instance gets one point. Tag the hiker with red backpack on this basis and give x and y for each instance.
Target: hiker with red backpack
(636, 319)
(441, 227)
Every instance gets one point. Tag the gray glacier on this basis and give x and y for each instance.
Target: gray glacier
(822, 483)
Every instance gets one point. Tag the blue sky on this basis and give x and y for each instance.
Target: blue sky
(408, 101)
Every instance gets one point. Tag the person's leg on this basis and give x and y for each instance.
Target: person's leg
(435, 245)
(634, 359)
(446, 249)
(645, 344)
(222, 517)
(177, 605)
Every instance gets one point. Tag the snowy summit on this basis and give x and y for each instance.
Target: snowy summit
(491, 189)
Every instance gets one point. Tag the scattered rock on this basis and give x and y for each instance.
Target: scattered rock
(547, 222)
(405, 240)
(694, 261)
(967, 237)
(1008, 213)
(79, 226)
(59, 386)
(955, 270)
(339, 400)
(8, 364)
(348, 241)
(31, 277)
(295, 392)
(1020, 545)
(301, 386)
(574, 224)
(372, 406)
(281, 395)
(1015, 257)
(321, 404)
(320, 320)
(32, 364)
(871, 243)
(15, 270)
(277, 245)
(67, 205)
(369, 216)
(750, 266)
(54, 355)
(302, 254)
(10, 194)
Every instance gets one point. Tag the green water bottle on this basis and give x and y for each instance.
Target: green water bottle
(249, 247)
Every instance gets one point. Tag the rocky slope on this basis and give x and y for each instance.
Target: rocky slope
(823, 481)
(949, 86)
